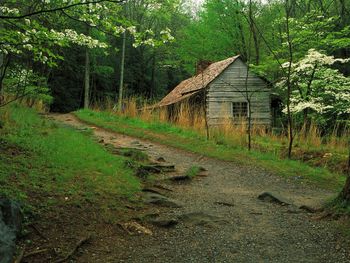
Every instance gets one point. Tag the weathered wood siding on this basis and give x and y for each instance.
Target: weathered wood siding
(230, 87)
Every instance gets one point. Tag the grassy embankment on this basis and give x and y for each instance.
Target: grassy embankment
(43, 164)
(194, 141)
(310, 145)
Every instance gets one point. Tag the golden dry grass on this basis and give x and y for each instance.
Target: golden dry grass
(36, 104)
(236, 134)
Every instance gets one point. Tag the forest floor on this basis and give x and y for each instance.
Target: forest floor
(215, 217)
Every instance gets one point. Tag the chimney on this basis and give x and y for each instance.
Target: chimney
(202, 65)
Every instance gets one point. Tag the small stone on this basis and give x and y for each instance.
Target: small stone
(178, 178)
(151, 190)
(273, 198)
(164, 222)
(223, 203)
(309, 209)
(162, 187)
(10, 226)
(161, 159)
(202, 169)
(161, 200)
(135, 228)
(293, 210)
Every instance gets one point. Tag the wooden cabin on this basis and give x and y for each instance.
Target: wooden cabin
(222, 89)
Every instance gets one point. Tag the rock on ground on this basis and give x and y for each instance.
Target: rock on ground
(10, 227)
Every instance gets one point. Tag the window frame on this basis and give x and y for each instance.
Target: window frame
(241, 111)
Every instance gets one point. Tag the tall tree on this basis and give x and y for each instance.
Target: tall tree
(253, 32)
(288, 9)
(121, 81)
(87, 80)
(344, 195)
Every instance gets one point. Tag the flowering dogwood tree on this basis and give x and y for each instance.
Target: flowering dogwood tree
(319, 89)
(31, 31)
(19, 35)
(40, 34)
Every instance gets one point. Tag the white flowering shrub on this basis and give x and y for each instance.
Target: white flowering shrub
(319, 88)
(42, 31)
(41, 42)
(149, 38)
(29, 36)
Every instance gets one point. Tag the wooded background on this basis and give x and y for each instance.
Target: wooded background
(34, 56)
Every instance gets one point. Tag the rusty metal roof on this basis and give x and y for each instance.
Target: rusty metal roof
(195, 84)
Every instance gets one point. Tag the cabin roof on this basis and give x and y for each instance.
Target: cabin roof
(196, 83)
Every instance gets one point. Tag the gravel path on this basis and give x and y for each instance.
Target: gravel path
(248, 231)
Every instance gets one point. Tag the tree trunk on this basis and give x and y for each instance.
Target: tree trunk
(289, 85)
(307, 122)
(87, 80)
(308, 6)
(2, 75)
(349, 158)
(207, 130)
(345, 193)
(248, 98)
(292, 8)
(4, 64)
(343, 13)
(153, 76)
(121, 81)
(249, 126)
(256, 46)
(254, 33)
(243, 44)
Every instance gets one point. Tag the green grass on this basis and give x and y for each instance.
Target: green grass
(134, 154)
(193, 171)
(41, 160)
(194, 142)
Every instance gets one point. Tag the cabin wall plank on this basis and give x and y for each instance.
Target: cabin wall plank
(230, 87)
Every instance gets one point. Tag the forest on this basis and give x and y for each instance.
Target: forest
(50, 48)
(107, 63)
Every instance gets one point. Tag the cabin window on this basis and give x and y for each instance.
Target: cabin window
(239, 109)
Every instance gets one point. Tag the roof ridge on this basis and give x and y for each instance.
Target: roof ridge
(194, 84)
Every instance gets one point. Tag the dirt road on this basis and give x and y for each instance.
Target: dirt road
(220, 218)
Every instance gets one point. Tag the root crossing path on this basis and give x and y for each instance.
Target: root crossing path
(220, 218)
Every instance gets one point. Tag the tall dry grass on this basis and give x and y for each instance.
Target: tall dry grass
(36, 104)
(234, 132)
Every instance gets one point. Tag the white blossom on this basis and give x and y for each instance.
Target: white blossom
(132, 29)
(9, 11)
(318, 87)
